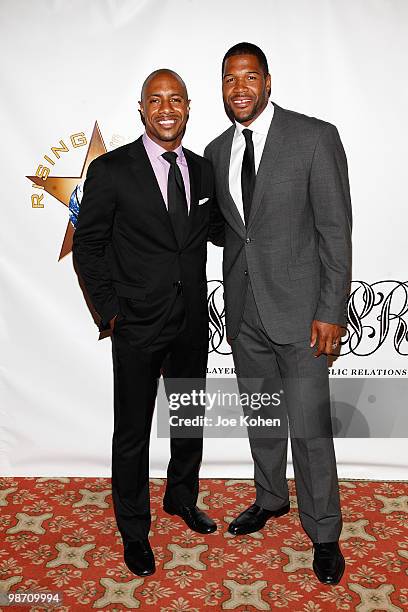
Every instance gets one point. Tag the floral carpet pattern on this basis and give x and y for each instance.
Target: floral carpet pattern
(60, 535)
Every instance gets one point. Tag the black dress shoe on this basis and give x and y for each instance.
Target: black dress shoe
(254, 518)
(139, 557)
(194, 518)
(328, 562)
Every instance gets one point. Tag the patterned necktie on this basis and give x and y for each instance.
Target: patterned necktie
(176, 197)
(248, 174)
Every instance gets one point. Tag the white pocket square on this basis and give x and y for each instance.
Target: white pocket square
(203, 201)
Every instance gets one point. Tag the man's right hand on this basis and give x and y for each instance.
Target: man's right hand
(112, 322)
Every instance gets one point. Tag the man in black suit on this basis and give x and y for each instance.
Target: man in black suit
(140, 248)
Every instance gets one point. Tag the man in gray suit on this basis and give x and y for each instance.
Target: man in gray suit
(283, 190)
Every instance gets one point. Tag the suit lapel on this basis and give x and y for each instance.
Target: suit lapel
(145, 173)
(194, 172)
(270, 153)
(231, 210)
(143, 168)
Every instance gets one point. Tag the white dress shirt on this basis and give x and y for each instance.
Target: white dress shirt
(260, 128)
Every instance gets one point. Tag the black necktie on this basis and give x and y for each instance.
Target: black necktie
(176, 197)
(248, 174)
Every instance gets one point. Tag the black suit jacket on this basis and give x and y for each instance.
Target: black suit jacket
(125, 248)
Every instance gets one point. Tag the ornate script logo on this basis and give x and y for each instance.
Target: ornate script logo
(375, 313)
(216, 311)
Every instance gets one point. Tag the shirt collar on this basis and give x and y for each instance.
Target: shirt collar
(261, 124)
(155, 150)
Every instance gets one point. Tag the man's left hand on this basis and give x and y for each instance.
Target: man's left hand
(326, 336)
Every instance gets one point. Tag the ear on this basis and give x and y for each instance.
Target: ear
(141, 109)
(268, 82)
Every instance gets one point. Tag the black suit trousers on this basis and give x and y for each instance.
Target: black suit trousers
(136, 372)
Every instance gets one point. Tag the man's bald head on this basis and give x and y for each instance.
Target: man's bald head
(160, 73)
(164, 108)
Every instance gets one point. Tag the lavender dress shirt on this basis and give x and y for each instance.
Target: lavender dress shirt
(161, 166)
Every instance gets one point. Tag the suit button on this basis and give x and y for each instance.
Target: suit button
(246, 272)
(248, 240)
(179, 286)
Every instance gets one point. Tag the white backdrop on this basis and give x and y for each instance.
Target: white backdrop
(71, 63)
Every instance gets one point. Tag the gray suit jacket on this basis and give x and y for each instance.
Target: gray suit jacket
(296, 250)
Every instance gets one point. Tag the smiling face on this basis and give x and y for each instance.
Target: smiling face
(245, 88)
(164, 108)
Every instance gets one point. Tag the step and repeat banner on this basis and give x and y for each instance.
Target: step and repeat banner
(70, 81)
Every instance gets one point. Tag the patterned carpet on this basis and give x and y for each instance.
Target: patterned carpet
(59, 534)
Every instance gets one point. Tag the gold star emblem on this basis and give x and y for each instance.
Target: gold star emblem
(61, 187)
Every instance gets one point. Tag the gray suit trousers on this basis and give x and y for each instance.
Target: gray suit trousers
(304, 380)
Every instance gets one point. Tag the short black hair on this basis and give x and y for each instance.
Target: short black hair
(246, 48)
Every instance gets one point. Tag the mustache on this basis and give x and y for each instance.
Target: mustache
(166, 117)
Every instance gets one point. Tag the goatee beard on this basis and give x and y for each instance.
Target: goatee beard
(230, 114)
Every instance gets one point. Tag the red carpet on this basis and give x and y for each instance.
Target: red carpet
(60, 535)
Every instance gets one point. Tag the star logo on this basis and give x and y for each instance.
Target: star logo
(68, 189)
